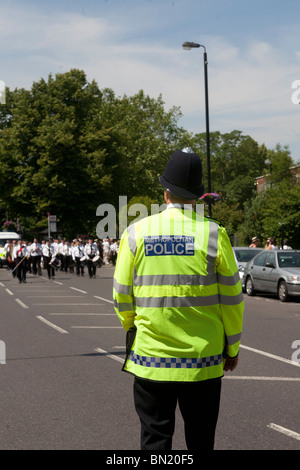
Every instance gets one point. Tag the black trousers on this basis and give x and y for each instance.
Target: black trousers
(91, 267)
(36, 264)
(155, 404)
(79, 266)
(48, 267)
(21, 269)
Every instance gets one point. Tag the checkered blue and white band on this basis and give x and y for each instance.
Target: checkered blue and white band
(176, 362)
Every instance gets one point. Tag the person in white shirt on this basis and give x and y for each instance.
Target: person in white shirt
(10, 245)
(20, 253)
(28, 257)
(48, 253)
(286, 246)
(60, 245)
(114, 248)
(106, 249)
(54, 244)
(66, 256)
(78, 253)
(91, 250)
(36, 255)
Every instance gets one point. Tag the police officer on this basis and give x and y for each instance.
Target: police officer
(176, 283)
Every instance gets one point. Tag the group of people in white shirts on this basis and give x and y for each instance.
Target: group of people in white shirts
(52, 255)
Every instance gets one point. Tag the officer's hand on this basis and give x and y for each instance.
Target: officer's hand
(231, 363)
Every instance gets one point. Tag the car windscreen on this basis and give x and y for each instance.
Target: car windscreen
(243, 256)
(289, 260)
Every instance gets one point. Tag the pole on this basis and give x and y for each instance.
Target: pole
(207, 130)
(282, 236)
(48, 227)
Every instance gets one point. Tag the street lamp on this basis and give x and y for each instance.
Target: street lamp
(188, 46)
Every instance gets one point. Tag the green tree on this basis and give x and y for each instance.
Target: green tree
(147, 135)
(236, 160)
(57, 155)
(265, 214)
(67, 147)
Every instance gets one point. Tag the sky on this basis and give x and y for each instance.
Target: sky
(253, 52)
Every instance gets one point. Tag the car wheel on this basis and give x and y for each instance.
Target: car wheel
(249, 286)
(282, 291)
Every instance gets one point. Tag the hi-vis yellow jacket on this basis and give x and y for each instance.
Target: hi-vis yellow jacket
(177, 281)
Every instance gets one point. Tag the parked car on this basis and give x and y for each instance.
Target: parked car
(243, 255)
(274, 271)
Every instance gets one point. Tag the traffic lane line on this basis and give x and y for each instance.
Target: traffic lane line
(112, 356)
(54, 296)
(262, 378)
(272, 356)
(285, 431)
(52, 325)
(82, 314)
(97, 327)
(102, 298)
(79, 290)
(21, 303)
(68, 304)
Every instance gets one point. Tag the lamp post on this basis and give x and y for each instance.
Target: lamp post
(188, 46)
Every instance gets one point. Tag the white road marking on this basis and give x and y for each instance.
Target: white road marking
(245, 377)
(21, 303)
(9, 292)
(60, 283)
(54, 289)
(84, 314)
(51, 324)
(97, 327)
(53, 296)
(112, 356)
(65, 304)
(2, 285)
(272, 356)
(79, 290)
(101, 298)
(285, 431)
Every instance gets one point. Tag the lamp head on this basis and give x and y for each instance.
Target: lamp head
(190, 45)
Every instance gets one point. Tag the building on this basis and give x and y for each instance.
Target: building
(263, 182)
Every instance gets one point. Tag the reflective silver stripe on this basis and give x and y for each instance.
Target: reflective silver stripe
(232, 339)
(175, 280)
(231, 299)
(229, 280)
(131, 239)
(169, 302)
(176, 362)
(122, 288)
(212, 247)
(123, 306)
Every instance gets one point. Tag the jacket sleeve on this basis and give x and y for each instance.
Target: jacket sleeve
(230, 292)
(123, 284)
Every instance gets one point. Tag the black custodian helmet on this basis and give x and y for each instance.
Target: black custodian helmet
(183, 175)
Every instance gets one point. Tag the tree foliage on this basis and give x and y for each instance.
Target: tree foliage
(66, 147)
